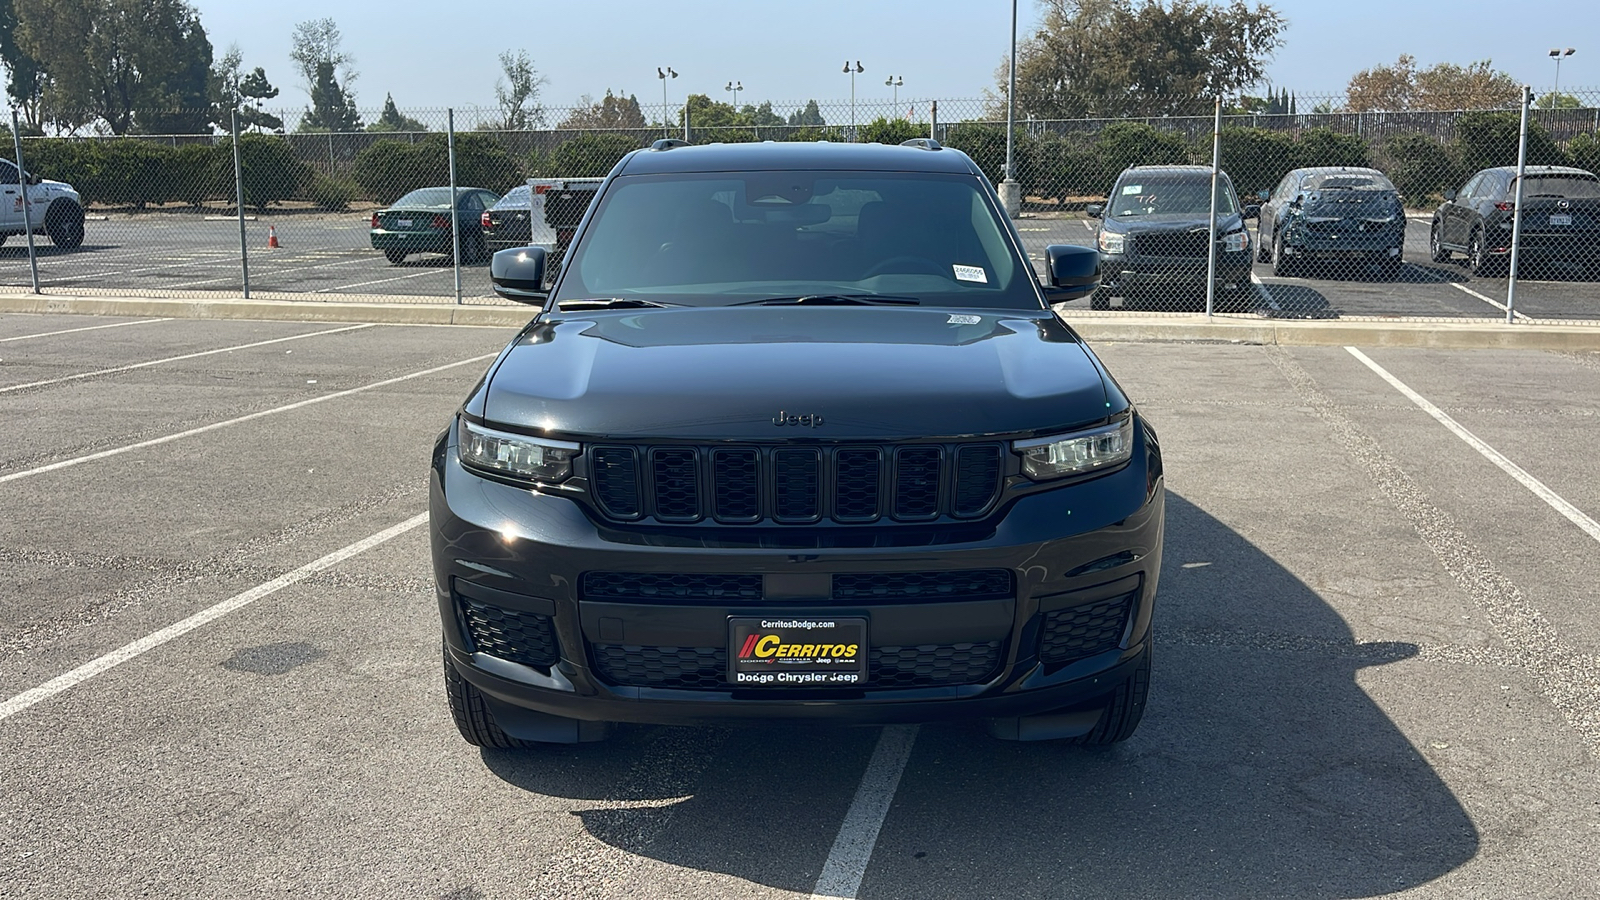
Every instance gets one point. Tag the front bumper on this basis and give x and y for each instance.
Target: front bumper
(1087, 554)
(1122, 273)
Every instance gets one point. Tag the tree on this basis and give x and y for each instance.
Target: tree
(1443, 86)
(226, 76)
(318, 41)
(517, 92)
(392, 120)
(1558, 101)
(108, 58)
(331, 108)
(610, 112)
(1118, 57)
(26, 78)
(255, 86)
(707, 113)
(810, 117)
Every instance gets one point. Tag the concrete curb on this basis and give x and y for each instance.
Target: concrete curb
(1467, 335)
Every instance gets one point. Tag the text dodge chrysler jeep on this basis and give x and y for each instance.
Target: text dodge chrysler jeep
(796, 435)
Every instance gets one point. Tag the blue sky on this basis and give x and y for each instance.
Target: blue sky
(432, 54)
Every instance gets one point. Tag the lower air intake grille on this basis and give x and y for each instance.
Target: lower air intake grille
(641, 586)
(510, 634)
(974, 584)
(704, 668)
(1080, 631)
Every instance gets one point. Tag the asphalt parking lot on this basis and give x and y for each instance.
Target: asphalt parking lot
(330, 255)
(1377, 669)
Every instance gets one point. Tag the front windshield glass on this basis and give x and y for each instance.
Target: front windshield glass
(517, 196)
(1166, 195)
(426, 198)
(720, 239)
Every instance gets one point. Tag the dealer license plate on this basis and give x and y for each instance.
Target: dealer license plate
(403, 223)
(797, 651)
(1561, 219)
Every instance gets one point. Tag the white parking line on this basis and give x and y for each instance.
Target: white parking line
(1489, 300)
(330, 290)
(858, 834)
(1272, 302)
(210, 614)
(157, 362)
(1555, 501)
(27, 337)
(115, 451)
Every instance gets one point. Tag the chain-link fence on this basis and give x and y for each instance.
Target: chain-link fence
(1328, 213)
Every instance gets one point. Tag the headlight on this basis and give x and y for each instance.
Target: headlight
(1110, 242)
(1235, 242)
(1075, 454)
(517, 455)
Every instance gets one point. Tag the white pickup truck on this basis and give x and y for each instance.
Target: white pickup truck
(54, 208)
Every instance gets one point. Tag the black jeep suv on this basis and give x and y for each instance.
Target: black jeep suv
(795, 435)
(1153, 238)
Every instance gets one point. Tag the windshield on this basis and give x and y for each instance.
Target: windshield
(1171, 196)
(1572, 187)
(1349, 181)
(720, 239)
(427, 198)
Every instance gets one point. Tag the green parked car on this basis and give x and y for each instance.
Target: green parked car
(419, 222)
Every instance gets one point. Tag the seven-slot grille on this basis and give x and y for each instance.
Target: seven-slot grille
(796, 485)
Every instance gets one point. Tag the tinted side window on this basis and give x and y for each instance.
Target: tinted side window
(8, 172)
(1470, 188)
(1286, 188)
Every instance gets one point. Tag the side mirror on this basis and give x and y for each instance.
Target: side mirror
(518, 274)
(1263, 195)
(1074, 272)
(1095, 210)
(1450, 195)
(35, 178)
(1252, 211)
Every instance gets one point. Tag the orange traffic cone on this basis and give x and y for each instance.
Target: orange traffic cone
(272, 237)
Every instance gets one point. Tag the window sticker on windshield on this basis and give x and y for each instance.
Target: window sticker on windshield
(1131, 189)
(971, 273)
(963, 320)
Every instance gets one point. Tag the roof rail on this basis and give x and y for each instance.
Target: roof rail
(668, 144)
(922, 143)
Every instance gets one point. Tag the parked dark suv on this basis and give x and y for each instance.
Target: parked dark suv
(1154, 235)
(1560, 219)
(795, 435)
(1333, 214)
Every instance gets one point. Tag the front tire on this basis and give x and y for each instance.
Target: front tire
(1436, 250)
(1100, 299)
(472, 716)
(1282, 266)
(1124, 709)
(63, 222)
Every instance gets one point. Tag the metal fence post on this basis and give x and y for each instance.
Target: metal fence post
(27, 208)
(238, 187)
(1211, 257)
(1516, 208)
(933, 124)
(455, 218)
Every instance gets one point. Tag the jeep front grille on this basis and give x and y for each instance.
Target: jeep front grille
(796, 485)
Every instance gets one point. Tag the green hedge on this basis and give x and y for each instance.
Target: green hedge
(388, 170)
(138, 173)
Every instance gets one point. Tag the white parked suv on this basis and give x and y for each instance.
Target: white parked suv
(55, 209)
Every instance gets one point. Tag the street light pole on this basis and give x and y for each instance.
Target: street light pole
(666, 130)
(736, 87)
(853, 73)
(1010, 191)
(895, 81)
(1558, 56)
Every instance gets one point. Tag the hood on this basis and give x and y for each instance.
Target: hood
(1175, 222)
(726, 373)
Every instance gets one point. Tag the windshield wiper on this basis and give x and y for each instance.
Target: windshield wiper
(611, 303)
(834, 300)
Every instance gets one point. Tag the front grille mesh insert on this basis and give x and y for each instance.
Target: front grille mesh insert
(510, 634)
(795, 484)
(855, 587)
(1080, 631)
(704, 668)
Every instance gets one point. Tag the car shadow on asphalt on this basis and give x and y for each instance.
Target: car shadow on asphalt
(1262, 769)
(20, 250)
(1296, 301)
